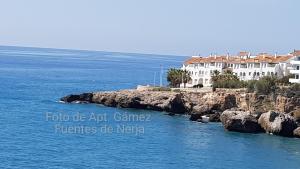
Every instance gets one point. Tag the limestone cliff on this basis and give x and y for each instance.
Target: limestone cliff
(194, 103)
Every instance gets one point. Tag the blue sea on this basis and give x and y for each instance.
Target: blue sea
(37, 131)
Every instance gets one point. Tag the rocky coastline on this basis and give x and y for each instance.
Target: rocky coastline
(238, 111)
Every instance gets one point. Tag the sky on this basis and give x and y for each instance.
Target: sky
(173, 27)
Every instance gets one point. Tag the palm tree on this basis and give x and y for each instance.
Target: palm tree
(177, 76)
(186, 77)
(216, 73)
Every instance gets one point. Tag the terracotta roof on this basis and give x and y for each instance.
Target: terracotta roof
(263, 57)
(243, 53)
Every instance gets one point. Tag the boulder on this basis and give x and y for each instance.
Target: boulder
(195, 116)
(200, 109)
(297, 132)
(80, 98)
(296, 115)
(240, 121)
(278, 123)
(214, 117)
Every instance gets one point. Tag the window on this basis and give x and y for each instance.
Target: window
(249, 73)
(298, 67)
(263, 73)
(243, 65)
(271, 65)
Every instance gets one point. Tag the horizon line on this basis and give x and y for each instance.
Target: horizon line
(89, 50)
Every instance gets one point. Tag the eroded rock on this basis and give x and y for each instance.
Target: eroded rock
(84, 97)
(296, 132)
(240, 121)
(278, 123)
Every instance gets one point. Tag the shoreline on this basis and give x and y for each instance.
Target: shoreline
(238, 110)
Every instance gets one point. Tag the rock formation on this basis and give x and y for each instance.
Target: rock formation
(197, 104)
(297, 132)
(240, 121)
(278, 123)
(242, 112)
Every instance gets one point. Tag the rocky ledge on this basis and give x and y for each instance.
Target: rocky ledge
(195, 104)
(271, 122)
(238, 111)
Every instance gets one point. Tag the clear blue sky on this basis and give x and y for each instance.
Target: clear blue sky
(180, 27)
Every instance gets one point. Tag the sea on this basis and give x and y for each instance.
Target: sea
(37, 131)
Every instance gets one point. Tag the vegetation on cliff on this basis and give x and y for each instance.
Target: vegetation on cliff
(265, 85)
(226, 80)
(177, 76)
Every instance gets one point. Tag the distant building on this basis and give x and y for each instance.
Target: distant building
(244, 65)
(295, 67)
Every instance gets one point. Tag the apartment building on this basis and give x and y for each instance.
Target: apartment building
(295, 67)
(244, 65)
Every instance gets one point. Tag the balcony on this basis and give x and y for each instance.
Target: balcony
(294, 80)
(294, 71)
(295, 62)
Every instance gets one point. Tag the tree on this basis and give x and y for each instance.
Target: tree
(186, 77)
(216, 73)
(177, 76)
(266, 85)
(225, 80)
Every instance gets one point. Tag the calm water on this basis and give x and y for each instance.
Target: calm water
(32, 80)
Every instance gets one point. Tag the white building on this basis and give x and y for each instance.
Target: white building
(244, 65)
(295, 67)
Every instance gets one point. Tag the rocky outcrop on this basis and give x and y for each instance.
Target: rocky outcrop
(296, 115)
(296, 132)
(196, 104)
(81, 98)
(278, 123)
(160, 101)
(240, 121)
(214, 117)
(263, 103)
(241, 111)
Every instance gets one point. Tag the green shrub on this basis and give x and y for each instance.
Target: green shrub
(251, 85)
(295, 87)
(227, 80)
(198, 86)
(285, 80)
(265, 85)
(176, 90)
(161, 89)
